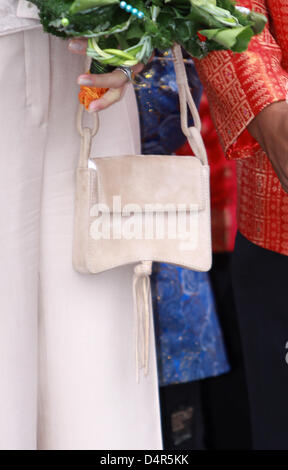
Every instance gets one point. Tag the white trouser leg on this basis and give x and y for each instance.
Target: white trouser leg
(88, 396)
(23, 134)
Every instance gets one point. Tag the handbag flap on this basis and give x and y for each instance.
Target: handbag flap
(149, 180)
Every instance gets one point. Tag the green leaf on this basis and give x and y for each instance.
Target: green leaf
(236, 39)
(258, 21)
(134, 32)
(85, 5)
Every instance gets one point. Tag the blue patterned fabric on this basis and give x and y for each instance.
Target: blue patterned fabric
(188, 337)
(158, 102)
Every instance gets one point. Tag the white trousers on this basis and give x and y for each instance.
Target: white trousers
(67, 371)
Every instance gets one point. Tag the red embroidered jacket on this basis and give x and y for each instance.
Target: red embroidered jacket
(238, 87)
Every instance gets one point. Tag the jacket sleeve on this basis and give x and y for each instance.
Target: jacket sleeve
(239, 86)
(16, 16)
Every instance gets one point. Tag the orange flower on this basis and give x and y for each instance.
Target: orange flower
(89, 94)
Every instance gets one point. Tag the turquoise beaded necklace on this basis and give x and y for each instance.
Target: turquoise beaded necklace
(130, 9)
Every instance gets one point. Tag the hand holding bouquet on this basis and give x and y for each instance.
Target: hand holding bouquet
(125, 33)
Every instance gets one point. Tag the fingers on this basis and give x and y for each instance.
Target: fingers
(112, 96)
(78, 46)
(138, 68)
(115, 79)
(151, 57)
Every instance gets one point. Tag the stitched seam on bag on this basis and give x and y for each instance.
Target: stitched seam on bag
(93, 177)
(85, 249)
(99, 186)
(89, 207)
(125, 261)
(163, 260)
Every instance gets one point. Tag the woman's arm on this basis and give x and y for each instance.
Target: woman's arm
(241, 89)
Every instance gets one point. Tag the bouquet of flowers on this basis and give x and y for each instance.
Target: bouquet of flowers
(125, 32)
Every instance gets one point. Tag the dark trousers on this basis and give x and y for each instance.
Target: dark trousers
(261, 294)
(182, 417)
(225, 398)
(212, 413)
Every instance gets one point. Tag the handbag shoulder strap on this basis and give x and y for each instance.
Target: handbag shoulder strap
(192, 133)
(87, 134)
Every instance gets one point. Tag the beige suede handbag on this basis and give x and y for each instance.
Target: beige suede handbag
(144, 208)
